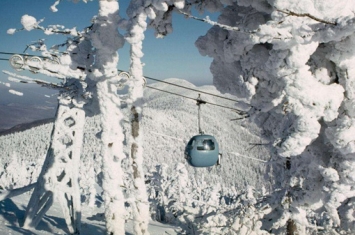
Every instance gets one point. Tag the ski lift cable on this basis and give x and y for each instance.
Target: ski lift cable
(150, 78)
(188, 88)
(203, 92)
(244, 156)
(186, 97)
(7, 53)
(23, 54)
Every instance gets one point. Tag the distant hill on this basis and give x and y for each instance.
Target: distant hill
(169, 121)
(36, 103)
(25, 126)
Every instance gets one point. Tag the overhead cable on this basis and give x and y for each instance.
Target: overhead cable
(23, 54)
(186, 97)
(188, 88)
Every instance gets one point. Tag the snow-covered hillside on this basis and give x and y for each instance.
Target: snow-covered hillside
(53, 222)
(168, 122)
(176, 117)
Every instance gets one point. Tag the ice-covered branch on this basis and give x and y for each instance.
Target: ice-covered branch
(211, 22)
(291, 13)
(25, 79)
(57, 2)
(30, 23)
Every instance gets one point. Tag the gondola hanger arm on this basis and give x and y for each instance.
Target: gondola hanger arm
(199, 101)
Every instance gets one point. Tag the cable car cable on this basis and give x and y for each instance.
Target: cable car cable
(7, 53)
(218, 105)
(191, 89)
(22, 54)
(184, 87)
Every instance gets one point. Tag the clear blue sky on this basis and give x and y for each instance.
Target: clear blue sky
(173, 56)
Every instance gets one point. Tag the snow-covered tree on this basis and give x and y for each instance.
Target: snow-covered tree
(11, 176)
(290, 62)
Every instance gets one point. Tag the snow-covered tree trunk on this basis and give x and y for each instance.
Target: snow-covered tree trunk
(138, 12)
(135, 37)
(106, 40)
(112, 156)
(59, 176)
(141, 213)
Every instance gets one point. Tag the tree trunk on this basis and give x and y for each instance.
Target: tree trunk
(291, 228)
(112, 156)
(141, 206)
(106, 40)
(136, 31)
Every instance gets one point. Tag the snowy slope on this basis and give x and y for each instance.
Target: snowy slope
(53, 222)
(176, 117)
(168, 122)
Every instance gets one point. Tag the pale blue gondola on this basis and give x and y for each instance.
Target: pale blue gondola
(202, 150)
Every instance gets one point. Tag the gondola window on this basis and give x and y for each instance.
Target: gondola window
(206, 144)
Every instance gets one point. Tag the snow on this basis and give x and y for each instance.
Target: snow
(12, 79)
(329, 174)
(11, 31)
(16, 92)
(6, 84)
(29, 22)
(54, 6)
(53, 223)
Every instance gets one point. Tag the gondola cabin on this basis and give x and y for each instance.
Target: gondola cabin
(202, 151)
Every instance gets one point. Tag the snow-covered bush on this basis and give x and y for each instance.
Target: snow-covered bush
(169, 189)
(12, 176)
(198, 206)
(22, 157)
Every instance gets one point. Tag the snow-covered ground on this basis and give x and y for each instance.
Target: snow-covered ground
(168, 122)
(53, 223)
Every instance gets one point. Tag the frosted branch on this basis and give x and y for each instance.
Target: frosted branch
(291, 13)
(25, 79)
(53, 30)
(211, 22)
(54, 6)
